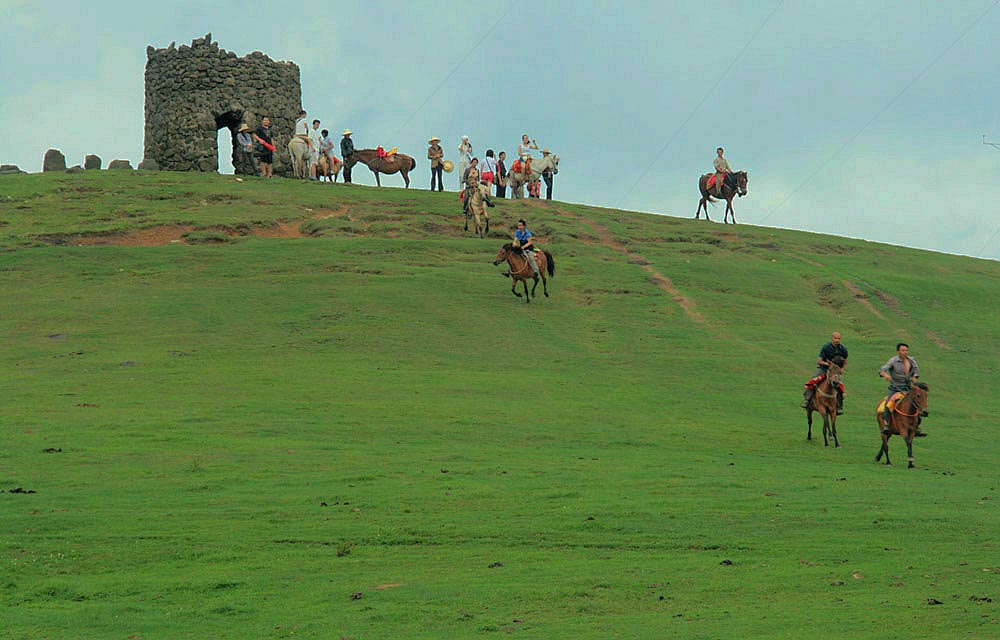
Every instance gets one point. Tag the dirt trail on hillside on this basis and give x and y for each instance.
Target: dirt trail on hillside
(885, 298)
(174, 234)
(664, 283)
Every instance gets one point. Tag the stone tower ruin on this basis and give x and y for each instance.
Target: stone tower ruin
(192, 92)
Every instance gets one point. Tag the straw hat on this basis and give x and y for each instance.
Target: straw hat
(347, 132)
(244, 127)
(545, 151)
(448, 165)
(433, 140)
(465, 137)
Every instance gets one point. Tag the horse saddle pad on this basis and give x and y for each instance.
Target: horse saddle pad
(891, 401)
(711, 180)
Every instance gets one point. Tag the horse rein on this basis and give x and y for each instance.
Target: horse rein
(525, 267)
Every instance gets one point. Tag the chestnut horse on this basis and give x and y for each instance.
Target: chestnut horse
(520, 269)
(734, 185)
(396, 163)
(328, 168)
(904, 421)
(824, 402)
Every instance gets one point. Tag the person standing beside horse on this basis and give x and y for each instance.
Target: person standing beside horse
(435, 154)
(316, 139)
(346, 151)
(721, 169)
(547, 176)
(901, 371)
(832, 351)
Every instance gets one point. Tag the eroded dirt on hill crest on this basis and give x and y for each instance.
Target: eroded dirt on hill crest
(162, 235)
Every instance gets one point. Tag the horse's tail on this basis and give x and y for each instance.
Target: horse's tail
(551, 262)
(413, 163)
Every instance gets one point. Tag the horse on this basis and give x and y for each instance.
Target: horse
(729, 191)
(904, 420)
(396, 163)
(520, 269)
(518, 179)
(474, 205)
(329, 169)
(299, 150)
(824, 402)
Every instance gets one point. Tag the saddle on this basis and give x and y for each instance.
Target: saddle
(382, 153)
(711, 180)
(891, 402)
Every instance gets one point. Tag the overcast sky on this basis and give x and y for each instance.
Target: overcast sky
(856, 118)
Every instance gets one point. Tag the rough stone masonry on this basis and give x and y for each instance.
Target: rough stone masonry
(192, 92)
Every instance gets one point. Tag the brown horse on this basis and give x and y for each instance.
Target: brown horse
(904, 421)
(396, 163)
(824, 402)
(520, 269)
(734, 185)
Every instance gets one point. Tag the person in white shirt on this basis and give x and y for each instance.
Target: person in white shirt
(464, 157)
(316, 142)
(488, 168)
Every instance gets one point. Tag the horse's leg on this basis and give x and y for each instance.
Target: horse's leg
(527, 297)
(545, 285)
(534, 286)
(826, 428)
(833, 427)
(809, 421)
(697, 214)
(909, 451)
(513, 287)
(406, 178)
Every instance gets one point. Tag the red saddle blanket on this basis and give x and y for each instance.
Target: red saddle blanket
(711, 181)
(517, 167)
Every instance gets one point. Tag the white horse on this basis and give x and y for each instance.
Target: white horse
(517, 180)
(299, 150)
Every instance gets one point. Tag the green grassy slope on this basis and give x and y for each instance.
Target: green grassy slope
(253, 431)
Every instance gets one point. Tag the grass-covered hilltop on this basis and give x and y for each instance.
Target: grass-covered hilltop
(276, 409)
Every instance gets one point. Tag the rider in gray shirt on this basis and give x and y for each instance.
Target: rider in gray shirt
(901, 370)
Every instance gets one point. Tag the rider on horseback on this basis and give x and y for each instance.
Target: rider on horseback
(900, 371)
(833, 352)
(523, 239)
(721, 169)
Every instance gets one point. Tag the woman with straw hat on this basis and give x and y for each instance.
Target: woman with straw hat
(435, 154)
(244, 158)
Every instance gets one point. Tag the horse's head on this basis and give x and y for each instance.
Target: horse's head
(918, 396)
(742, 179)
(503, 254)
(835, 372)
(555, 162)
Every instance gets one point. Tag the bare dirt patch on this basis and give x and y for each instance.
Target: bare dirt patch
(174, 234)
(661, 281)
(862, 297)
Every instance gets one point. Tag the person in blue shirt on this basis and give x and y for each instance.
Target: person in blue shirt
(523, 239)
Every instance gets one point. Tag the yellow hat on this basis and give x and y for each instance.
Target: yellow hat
(448, 165)
(347, 132)
(433, 140)
(244, 127)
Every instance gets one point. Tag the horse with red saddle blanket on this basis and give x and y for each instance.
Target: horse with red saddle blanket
(734, 184)
(900, 415)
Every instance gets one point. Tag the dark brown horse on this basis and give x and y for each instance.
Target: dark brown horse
(904, 421)
(824, 402)
(396, 163)
(520, 269)
(734, 185)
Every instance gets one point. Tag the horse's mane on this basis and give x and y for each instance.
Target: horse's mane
(921, 385)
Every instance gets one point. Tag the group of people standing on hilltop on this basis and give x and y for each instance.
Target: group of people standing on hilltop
(491, 169)
(257, 147)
